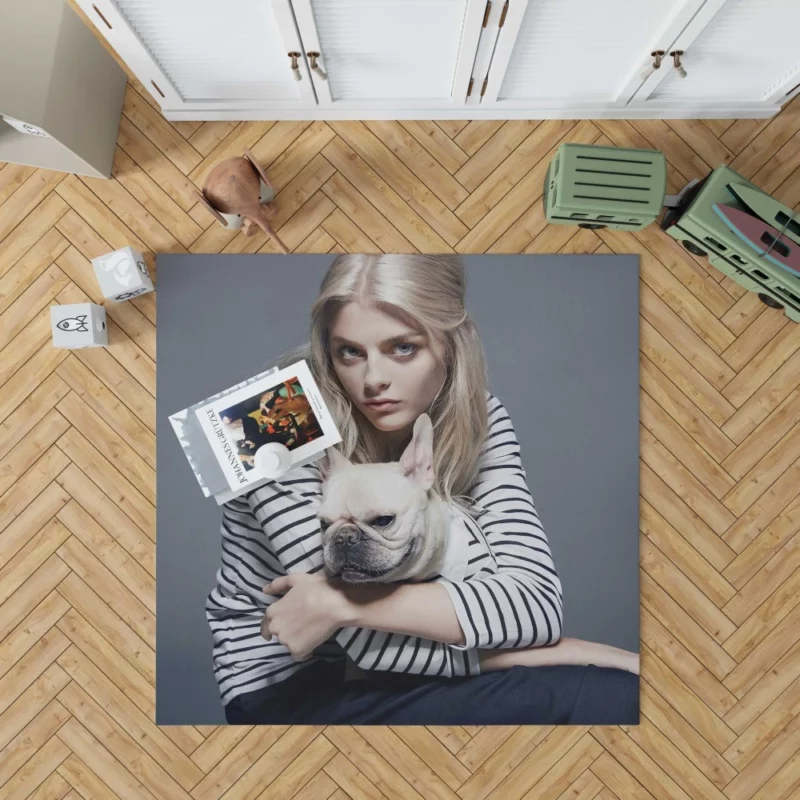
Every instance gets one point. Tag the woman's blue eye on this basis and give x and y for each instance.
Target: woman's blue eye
(384, 521)
(349, 352)
(407, 348)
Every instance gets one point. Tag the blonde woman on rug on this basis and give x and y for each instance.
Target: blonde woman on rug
(390, 340)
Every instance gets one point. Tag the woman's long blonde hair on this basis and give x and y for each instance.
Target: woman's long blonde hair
(431, 291)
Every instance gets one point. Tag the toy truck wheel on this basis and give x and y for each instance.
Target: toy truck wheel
(693, 248)
(592, 226)
(769, 301)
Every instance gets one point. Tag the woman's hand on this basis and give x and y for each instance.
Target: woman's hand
(309, 613)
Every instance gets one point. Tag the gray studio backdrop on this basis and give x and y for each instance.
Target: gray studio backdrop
(561, 335)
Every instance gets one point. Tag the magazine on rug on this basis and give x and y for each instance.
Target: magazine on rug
(221, 435)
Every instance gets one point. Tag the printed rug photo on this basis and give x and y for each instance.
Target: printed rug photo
(398, 489)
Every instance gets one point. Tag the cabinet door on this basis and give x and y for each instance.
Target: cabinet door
(737, 51)
(578, 53)
(207, 55)
(390, 53)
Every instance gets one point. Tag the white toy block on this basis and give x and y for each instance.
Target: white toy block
(79, 325)
(122, 274)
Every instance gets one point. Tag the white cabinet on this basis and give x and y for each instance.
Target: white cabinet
(736, 51)
(206, 56)
(568, 53)
(469, 59)
(390, 53)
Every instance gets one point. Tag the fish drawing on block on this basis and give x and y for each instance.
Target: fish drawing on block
(763, 238)
(120, 264)
(77, 324)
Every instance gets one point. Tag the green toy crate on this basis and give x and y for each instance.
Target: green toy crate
(702, 232)
(605, 187)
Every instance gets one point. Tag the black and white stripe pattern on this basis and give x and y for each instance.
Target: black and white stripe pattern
(511, 596)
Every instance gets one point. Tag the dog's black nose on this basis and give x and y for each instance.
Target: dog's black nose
(350, 535)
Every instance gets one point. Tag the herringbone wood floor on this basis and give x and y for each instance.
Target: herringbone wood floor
(720, 463)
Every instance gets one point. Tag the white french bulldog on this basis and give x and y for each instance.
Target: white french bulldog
(383, 523)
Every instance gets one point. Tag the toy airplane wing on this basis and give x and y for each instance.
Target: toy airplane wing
(763, 238)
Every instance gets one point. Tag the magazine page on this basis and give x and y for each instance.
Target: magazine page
(197, 448)
(285, 407)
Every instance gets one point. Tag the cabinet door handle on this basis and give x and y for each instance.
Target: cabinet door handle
(295, 67)
(657, 56)
(676, 60)
(100, 14)
(314, 68)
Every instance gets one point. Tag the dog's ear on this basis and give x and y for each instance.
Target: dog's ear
(417, 459)
(331, 460)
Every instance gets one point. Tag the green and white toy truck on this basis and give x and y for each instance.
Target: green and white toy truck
(605, 187)
(612, 187)
(702, 232)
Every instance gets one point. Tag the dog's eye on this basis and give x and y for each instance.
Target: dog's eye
(383, 522)
(324, 524)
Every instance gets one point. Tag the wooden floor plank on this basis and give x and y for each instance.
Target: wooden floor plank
(109, 624)
(30, 230)
(303, 224)
(389, 202)
(17, 280)
(685, 412)
(680, 553)
(524, 193)
(209, 134)
(427, 169)
(402, 180)
(105, 768)
(30, 630)
(30, 409)
(159, 131)
(103, 710)
(151, 196)
(437, 143)
(33, 736)
(97, 476)
(39, 294)
(377, 227)
(12, 176)
(36, 770)
(135, 570)
(31, 556)
(149, 158)
(498, 181)
(288, 147)
(25, 199)
(112, 444)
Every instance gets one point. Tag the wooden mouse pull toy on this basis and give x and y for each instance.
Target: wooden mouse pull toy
(237, 188)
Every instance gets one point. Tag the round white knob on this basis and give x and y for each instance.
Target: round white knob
(273, 459)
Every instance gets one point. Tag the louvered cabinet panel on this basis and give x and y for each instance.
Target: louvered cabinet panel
(387, 53)
(749, 51)
(447, 59)
(568, 51)
(207, 53)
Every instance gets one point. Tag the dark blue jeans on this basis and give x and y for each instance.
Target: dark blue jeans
(554, 695)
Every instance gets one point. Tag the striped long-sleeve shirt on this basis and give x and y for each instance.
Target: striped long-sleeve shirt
(510, 595)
